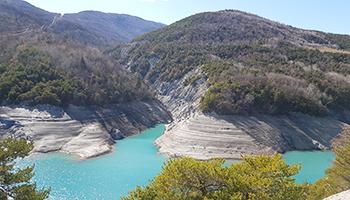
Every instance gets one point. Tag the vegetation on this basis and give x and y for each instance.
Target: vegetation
(342, 40)
(192, 80)
(244, 98)
(336, 178)
(54, 70)
(15, 182)
(257, 177)
(230, 47)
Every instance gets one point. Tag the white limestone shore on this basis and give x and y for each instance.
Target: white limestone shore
(204, 136)
(84, 131)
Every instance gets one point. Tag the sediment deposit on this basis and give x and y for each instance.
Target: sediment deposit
(203, 136)
(85, 131)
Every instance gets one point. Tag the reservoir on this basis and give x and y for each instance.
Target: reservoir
(313, 164)
(133, 163)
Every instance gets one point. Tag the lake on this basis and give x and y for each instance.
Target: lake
(133, 162)
(313, 163)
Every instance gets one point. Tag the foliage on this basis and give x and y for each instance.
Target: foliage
(15, 182)
(192, 80)
(253, 46)
(342, 40)
(177, 58)
(244, 98)
(257, 177)
(60, 75)
(336, 178)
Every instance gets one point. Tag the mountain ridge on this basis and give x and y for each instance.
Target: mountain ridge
(234, 26)
(107, 29)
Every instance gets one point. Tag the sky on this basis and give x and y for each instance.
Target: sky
(322, 15)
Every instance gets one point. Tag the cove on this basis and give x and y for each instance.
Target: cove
(133, 163)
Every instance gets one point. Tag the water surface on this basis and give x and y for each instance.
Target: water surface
(133, 163)
(313, 164)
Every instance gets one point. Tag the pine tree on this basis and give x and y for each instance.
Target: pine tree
(15, 182)
(257, 177)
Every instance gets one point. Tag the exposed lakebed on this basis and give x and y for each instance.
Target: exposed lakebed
(133, 162)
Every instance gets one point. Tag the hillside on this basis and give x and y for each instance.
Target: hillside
(58, 89)
(236, 27)
(96, 29)
(252, 65)
(49, 69)
(46, 58)
(237, 83)
(17, 16)
(115, 27)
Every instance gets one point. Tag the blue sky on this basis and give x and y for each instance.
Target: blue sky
(328, 16)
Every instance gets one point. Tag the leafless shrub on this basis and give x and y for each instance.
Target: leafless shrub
(338, 79)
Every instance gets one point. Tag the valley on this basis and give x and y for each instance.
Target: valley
(223, 84)
(227, 82)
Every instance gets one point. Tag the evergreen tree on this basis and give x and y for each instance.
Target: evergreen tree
(257, 177)
(15, 182)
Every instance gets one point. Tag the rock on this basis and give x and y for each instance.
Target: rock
(340, 196)
(85, 131)
(116, 134)
(230, 136)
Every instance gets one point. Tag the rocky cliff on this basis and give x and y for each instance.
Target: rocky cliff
(86, 131)
(203, 136)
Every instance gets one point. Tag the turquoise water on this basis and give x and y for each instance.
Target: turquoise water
(108, 177)
(133, 163)
(313, 163)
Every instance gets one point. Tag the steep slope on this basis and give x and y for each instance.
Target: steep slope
(115, 27)
(44, 75)
(206, 135)
(17, 15)
(253, 76)
(249, 72)
(113, 103)
(91, 27)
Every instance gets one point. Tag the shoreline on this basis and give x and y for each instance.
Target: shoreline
(85, 131)
(210, 135)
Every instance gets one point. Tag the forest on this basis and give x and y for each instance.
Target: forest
(56, 70)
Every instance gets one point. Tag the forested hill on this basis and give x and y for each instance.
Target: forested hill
(236, 27)
(49, 58)
(96, 29)
(18, 16)
(251, 64)
(52, 69)
(114, 28)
